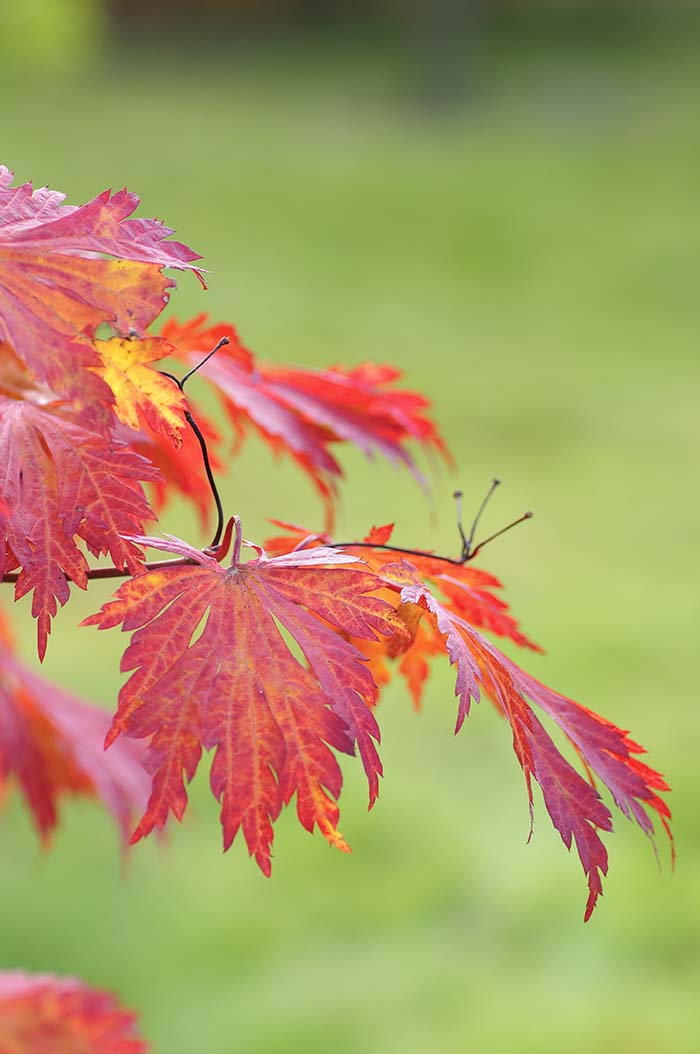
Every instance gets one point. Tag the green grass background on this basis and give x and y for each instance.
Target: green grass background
(530, 260)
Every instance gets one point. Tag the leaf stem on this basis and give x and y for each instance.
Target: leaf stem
(114, 572)
(121, 572)
(181, 382)
(210, 477)
(465, 558)
(154, 565)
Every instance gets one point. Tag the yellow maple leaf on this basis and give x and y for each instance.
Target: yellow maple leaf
(142, 395)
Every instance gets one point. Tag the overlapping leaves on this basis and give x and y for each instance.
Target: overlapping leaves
(272, 663)
(308, 412)
(442, 606)
(43, 1014)
(84, 422)
(52, 746)
(57, 284)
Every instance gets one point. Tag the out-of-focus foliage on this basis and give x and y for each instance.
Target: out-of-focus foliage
(50, 36)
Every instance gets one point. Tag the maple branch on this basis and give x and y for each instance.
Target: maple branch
(114, 572)
(521, 519)
(121, 572)
(467, 553)
(456, 561)
(181, 382)
(467, 542)
(210, 477)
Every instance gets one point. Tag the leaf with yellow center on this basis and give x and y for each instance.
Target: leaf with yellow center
(142, 395)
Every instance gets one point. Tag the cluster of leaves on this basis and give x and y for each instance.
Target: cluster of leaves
(42, 1014)
(95, 436)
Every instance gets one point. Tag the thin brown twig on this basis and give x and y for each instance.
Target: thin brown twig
(155, 565)
(465, 558)
(114, 572)
(181, 382)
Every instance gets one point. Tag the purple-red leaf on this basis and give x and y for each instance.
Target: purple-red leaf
(62, 482)
(573, 804)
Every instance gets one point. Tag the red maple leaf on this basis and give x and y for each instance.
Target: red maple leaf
(43, 1014)
(574, 805)
(432, 624)
(53, 744)
(56, 287)
(237, 688)
(307, 412)
(61, 482)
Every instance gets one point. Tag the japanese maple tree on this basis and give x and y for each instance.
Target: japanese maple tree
(97, 431)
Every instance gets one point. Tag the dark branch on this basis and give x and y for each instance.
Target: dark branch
(181, 382)
(520, 519)
(210, 476)
(467, 553)
(468, 542)
(113, 572)
(185, 379)
(457, 561)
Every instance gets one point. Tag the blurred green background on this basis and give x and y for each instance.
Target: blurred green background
(507, 207)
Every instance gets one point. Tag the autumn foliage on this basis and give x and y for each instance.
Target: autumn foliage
(41, 1014)
(271, 655)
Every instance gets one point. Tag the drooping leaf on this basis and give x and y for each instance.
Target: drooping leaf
(574, 805)
(213, 670)
(43, 1014)
(52, 745)
(62, 482)
(56, 287)
(450, 622)
(308, 412)
(469, 592)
